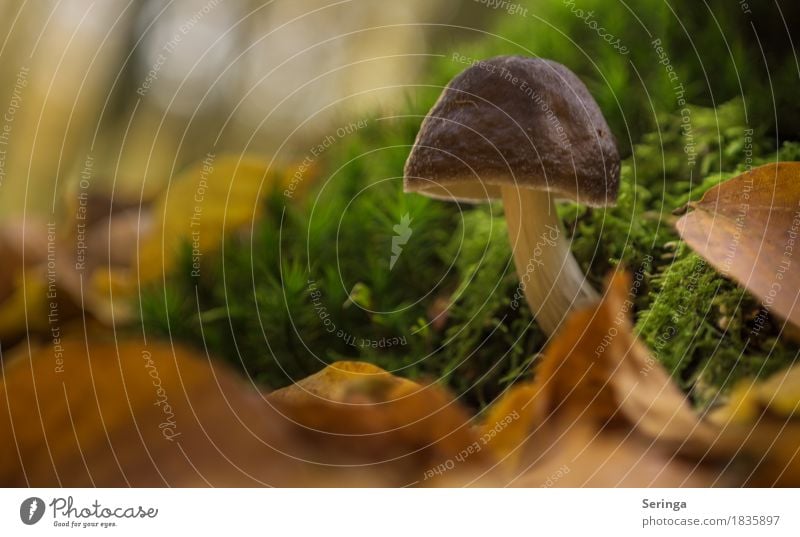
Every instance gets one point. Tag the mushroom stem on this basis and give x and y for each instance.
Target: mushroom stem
(549, 275)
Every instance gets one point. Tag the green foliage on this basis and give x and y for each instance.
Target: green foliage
(702, 327)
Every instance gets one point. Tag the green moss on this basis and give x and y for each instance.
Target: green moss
(703, 328)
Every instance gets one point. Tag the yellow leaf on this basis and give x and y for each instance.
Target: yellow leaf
(340, 380)
(598, 398)
(199, 207)
(778, 395)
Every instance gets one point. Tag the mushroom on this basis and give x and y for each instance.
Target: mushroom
(525, 130)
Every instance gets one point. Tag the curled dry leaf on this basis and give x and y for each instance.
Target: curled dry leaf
(154, 415)
(747, 228)
(340, 380)
(383, 427)
(601, 411)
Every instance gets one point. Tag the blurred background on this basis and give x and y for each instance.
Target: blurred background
(147, 86)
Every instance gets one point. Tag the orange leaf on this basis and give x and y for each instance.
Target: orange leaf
(747, 228)
(99, 414)
(340, 380)
(600, 412)
(96, 413)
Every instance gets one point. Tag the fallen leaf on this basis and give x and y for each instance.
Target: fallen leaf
(761, 424)
(339, 381)
(102, 413)
(99, 414)
(199, 207)
(778, 395)
(379, 424)
(600, 412)
(747, 228)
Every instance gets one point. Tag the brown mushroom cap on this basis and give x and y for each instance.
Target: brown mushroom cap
(512, 120)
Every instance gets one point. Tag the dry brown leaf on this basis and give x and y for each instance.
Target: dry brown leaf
(339, 381)
(747, 228)
(380, 424)
(154, 415)
(132, 414)
(601, 411)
